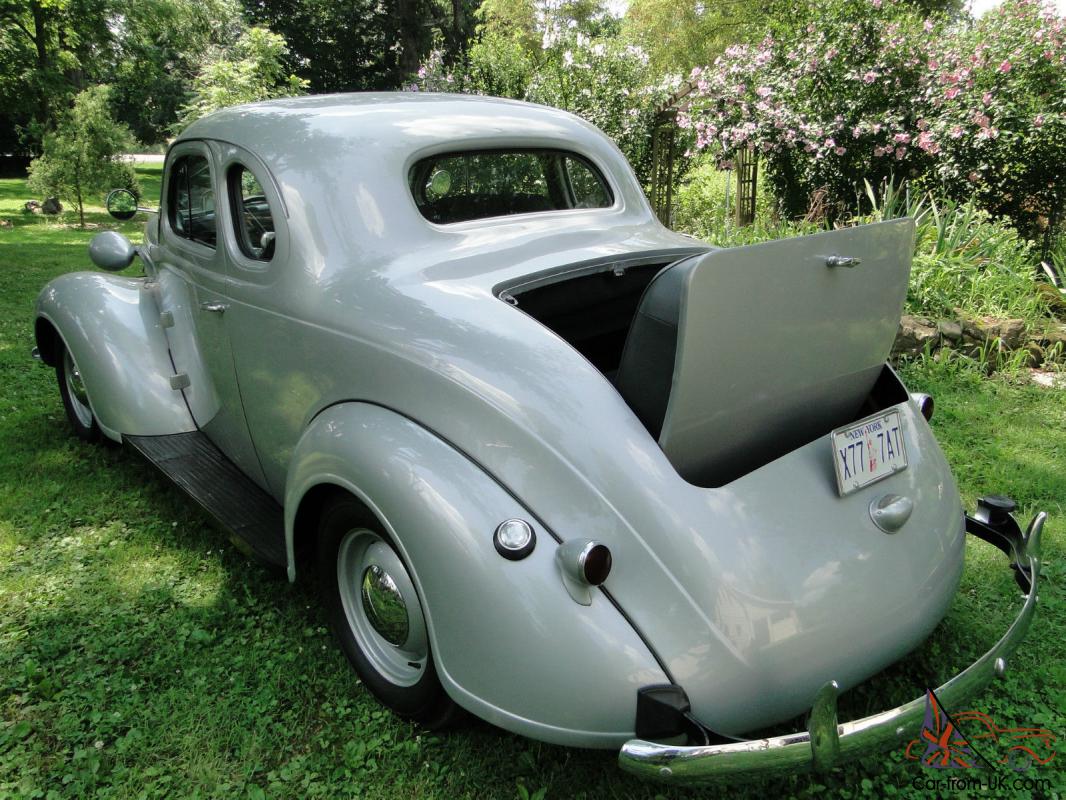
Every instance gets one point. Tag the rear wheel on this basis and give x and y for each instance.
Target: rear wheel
(376, 613)
(76, 398)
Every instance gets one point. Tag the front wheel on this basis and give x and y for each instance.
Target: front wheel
(376, 613)
(76, 398)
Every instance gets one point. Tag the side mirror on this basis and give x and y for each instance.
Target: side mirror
(121, 204)
(112, 251)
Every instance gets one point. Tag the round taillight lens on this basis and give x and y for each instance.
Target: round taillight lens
(596, 564)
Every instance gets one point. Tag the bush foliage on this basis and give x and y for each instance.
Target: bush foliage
(601, 79)
(874, 90)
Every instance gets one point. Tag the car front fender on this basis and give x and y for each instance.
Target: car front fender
(509, 643)
(111, 327)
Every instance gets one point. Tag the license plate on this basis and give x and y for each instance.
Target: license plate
(868, 450)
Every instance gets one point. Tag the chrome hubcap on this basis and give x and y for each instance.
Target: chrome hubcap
(79, 398)
(384, 606)
(381, 607)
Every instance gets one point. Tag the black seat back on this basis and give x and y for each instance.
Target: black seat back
(646, 371)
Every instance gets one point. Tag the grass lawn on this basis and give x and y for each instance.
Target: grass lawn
(142, 656)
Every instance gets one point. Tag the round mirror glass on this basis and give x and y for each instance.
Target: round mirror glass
(121, 204)
(439, 184)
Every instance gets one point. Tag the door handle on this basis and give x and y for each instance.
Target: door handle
(214, 308)
(849, 262)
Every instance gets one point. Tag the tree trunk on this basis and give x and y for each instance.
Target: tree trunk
(40, 41)
(458, 40)
(409, 26)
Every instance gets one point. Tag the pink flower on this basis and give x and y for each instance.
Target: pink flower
(900, 152)
(830, 142)
(869, 77)
(928, 143)
(902, 138)
(1038, 121)
(839, 150)
(764, 91)
(1005, 66)
(875, 3)
(987, 98)
(956, 131)
(928, 25)
(981, 119)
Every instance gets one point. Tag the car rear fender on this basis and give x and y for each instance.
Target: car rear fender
(111, 326)
(509, 643)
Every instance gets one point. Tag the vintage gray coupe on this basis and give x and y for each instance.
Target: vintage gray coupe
(438, 352)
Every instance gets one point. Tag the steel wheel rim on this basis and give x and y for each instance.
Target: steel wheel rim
(370, 578)
(79, 397)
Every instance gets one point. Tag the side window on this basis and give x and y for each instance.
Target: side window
(253, 222)
(589, 189)
(191, 200)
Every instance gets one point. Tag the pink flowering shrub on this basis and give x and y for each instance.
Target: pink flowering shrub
(875, 91)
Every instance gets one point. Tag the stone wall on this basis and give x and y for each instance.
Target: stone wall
(970, 337)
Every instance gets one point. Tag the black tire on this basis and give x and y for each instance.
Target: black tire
(79, 413)
(422, 698)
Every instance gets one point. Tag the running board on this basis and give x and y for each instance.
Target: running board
(253, 518)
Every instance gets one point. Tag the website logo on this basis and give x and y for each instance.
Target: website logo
(971, 740)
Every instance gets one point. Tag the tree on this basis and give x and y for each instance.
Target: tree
(158, 47)
(83, 154)
(147, 50)
(357, 45)
(681, 34)
(48, 48)
(253, 70)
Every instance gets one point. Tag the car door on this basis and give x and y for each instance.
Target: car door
(195, 289)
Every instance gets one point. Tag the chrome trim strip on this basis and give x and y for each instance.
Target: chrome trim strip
(689, 765)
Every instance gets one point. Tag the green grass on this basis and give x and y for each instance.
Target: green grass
(142, 656)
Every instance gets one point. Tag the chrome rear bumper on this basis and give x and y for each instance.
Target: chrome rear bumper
(827, 742)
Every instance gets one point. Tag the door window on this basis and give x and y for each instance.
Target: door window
(253, 221)
(191, 200)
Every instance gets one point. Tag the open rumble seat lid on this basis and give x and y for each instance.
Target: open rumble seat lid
(776, 343)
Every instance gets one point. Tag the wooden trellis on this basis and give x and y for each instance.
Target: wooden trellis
(747, 170)
(664, 135)
(664, 154)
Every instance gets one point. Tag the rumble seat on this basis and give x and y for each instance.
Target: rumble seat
(646, 370)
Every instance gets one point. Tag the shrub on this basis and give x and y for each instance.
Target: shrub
(873, 90)
(601, 80)
(83, 154)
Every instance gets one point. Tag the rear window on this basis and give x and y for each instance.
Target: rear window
(456, 187)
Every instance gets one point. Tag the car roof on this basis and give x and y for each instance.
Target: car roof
(406, 120)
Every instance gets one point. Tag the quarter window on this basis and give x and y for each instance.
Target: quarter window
(191, 200)
(456, 187)
(253, 221)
